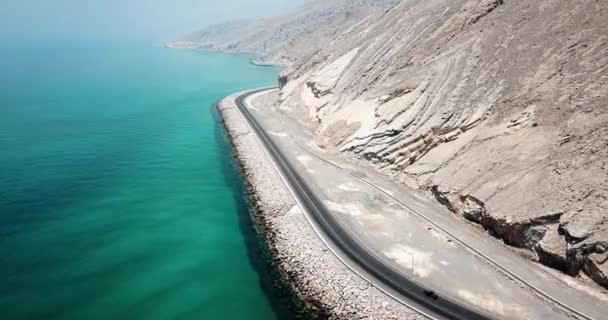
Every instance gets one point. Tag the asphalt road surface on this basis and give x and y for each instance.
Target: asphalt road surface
(409, 290)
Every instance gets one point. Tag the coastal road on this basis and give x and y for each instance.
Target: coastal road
(441, 308)
(377, 229)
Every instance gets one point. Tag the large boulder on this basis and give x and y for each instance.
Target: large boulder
(552, 249)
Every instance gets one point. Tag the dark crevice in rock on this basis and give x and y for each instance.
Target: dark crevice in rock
(521, 234)
(357, 149)
(485, 9)
(468, 206)
(395, 94)
(596, 267)
(570, 236)
(283, 80)
(544, 235)
(316, 91)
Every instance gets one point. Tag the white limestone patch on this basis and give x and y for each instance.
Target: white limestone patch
(359, 111)
(327, 77)
(333, 206)
(491, 303)
(405, 256)
(390, 193)
(293, 85)
(353, 210)
(441, 154)
(315, 146)
(439, 235)
(373, 222)
(348, 187)
(312, 102)
(347, 209)
(421, 197)
(294, 209)
(304, 159)
(278, 134)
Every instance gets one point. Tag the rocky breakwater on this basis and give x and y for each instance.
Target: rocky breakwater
(329, 289)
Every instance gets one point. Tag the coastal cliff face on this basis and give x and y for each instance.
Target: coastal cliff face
(496, 107)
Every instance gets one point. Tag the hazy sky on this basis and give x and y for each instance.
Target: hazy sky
(149, 20)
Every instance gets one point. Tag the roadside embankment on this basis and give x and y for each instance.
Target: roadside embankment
(329, 289)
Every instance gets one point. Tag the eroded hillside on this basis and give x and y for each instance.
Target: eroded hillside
(496, 108)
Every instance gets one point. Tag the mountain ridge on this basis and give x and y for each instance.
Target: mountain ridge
(284, 39)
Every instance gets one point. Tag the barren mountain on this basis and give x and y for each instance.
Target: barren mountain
(496, 108)
(285, 39)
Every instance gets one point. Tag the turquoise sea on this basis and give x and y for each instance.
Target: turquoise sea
(119, 198)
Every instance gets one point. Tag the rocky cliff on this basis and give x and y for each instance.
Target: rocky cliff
(496, 108)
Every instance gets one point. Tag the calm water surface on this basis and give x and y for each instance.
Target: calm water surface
(118, 195)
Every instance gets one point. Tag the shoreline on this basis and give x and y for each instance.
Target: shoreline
(256, 202)
(324, 285)
(282, 299)
(255, 62)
